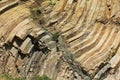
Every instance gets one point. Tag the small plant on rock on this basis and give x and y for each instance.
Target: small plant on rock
(6, 77)
(52, 3)
(55, 36)
(21, 78)
(44, 77)
(35, 12)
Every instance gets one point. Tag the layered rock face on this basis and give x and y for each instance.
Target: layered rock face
(88, 46)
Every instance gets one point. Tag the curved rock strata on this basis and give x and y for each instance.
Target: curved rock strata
(88, 46)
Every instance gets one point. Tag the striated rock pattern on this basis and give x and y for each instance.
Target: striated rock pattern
(88, 45)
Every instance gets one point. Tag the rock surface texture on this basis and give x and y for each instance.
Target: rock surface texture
(87, 48)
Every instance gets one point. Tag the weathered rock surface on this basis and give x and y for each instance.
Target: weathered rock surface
(88, 47)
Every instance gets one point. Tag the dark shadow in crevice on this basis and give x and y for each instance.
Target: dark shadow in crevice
(37, 46)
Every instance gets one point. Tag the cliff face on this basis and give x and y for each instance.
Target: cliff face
(63, 39)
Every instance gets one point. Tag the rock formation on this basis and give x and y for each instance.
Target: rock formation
(63, 39)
